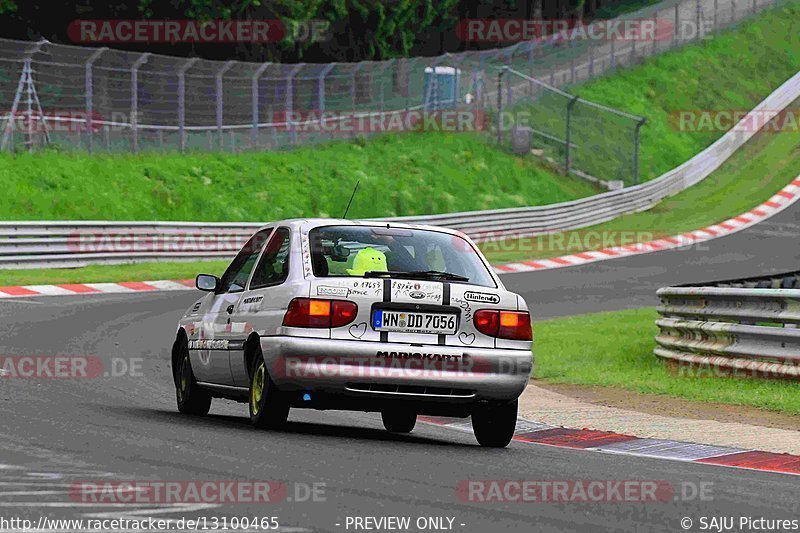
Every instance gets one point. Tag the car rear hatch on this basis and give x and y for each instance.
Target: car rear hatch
(418, 312)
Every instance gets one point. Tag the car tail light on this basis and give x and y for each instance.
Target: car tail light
(313, 313)
(512, 325)
(342, 313)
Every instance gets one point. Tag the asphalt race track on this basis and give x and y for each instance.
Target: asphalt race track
(56, 432)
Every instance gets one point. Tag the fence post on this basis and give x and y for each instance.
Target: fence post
(531, 57)
(9, 128)
(636, 150)
(409, 64)
(225, 68)
(255, 103)
(698, 11)
(677, 34)
(716, 8)
(321, 87)
(353, 99)
(8, 131)
(500, 104)
(509, 91)
(89, 96)
(568, 162)
(28, 73)
(182, 100)
(135, 99)
(290, 100)
(353, 95)
(613, 54)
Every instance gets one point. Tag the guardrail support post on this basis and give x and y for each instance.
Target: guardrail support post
(218, 84)
(182, 100)
(568, 159)
(89, 97)
(135, 100)
(636, 136)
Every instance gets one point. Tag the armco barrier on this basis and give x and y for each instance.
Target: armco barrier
(735, 331)
(69, 244)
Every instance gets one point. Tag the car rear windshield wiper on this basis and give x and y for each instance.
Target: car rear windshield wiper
(419, 274)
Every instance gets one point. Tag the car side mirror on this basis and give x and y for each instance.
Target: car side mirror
(207, 282)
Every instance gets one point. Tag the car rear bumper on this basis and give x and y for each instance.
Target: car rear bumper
(388, 371)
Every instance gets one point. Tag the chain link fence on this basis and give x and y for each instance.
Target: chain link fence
(100, 99)
(584, 138)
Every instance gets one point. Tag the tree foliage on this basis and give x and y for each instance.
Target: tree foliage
(358, 30)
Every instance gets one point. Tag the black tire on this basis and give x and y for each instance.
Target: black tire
(192, 400)
(494, 427)
(399, 421)
(269, 408)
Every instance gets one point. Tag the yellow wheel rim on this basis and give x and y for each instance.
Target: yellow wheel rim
(257, 390)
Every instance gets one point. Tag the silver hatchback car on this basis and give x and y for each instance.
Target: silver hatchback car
(358, 315)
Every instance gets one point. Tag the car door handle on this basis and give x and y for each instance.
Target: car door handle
(230, 309)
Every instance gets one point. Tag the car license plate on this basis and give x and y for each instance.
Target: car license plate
(410, 322)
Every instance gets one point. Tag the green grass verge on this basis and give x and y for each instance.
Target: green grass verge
(405, 174)
(760, 169)
(764, 166)
(618, 352)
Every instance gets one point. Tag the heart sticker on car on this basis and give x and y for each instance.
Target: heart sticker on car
(357, 330)
(466, 338)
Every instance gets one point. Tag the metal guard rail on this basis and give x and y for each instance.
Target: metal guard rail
(743, 330)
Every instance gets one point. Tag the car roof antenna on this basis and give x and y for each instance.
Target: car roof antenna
(351, 200)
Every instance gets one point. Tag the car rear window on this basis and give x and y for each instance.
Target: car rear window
(352, 251)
